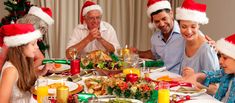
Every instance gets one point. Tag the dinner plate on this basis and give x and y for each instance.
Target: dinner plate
(104, 100)
(62, 68)
(72, 86)
(196, 93)
(203, 101)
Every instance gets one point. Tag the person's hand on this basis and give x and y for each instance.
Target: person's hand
(49, 67)
(211, 42)
(94, 34)
(187, 72)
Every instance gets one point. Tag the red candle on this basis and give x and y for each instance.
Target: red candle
(75, 66)
(131, 78)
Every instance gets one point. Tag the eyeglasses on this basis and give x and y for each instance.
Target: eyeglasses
(94, 18)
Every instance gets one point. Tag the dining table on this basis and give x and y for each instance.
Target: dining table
(155, 73)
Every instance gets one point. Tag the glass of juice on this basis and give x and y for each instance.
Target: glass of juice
(163, 92)
(42, 90)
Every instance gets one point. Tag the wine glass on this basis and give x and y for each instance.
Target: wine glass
(73, 53)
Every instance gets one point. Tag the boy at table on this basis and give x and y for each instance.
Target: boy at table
(224, 76)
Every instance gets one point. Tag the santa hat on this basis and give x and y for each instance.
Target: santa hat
(155, 5)
(192, 11)
(88, 6)
(18, 34)
(44, 13)
(227, 46)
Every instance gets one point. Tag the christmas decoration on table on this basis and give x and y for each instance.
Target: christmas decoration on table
(58, 61)
(16, 9)
(117, 85)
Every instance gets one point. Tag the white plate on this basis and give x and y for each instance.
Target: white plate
(107, 99)
(203, 101)
(184, 94)
(72, 86)
(62, 68)
(59, 70)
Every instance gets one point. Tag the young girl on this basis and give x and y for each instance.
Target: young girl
(224, 76)
(17, 75)
(197, 54)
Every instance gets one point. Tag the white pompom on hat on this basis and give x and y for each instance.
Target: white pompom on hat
(227, 46)
(13, 35)
(192, 11)
(88, 6)
(43, 13)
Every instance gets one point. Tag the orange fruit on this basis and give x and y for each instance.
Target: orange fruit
(164, 78)
(57, 65)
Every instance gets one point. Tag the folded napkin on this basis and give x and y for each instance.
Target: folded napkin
(61, 61)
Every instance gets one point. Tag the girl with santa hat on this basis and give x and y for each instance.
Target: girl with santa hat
(18, 75)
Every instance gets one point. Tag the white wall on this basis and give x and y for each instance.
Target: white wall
(221, 14)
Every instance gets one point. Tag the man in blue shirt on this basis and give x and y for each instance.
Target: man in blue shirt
(166, 43)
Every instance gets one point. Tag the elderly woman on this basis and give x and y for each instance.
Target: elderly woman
(197, 54)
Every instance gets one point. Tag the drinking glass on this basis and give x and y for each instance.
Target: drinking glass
(163, 92)
(73, 53)
(42, 90)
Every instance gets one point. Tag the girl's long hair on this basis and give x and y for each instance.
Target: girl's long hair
(24, 66)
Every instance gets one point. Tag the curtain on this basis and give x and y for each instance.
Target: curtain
(128, 17)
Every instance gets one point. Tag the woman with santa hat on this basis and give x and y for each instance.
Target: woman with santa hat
(198, 54)
(18, 75)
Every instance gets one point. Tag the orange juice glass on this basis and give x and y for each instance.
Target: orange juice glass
(163, 92)
(42, 90)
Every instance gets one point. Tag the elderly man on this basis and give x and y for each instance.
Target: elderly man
(92, 33)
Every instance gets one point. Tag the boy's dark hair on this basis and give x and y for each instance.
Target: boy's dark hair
(158, 11)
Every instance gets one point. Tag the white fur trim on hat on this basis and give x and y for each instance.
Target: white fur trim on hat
(226, 47)
(92, 7)
(20, 39)
(41, 14)
(158, 6)
(152, 26)
(192, 15)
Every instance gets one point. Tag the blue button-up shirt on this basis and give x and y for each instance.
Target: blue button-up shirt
(224, 79)
(171, 51)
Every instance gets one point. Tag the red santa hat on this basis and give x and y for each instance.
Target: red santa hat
(43, 13)
(88, 6)
(227, 46)
(18, 34)
(192, 11)
(155, 5)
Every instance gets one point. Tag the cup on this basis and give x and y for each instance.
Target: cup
(163, 92)
(75, 66)
(42, 90)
